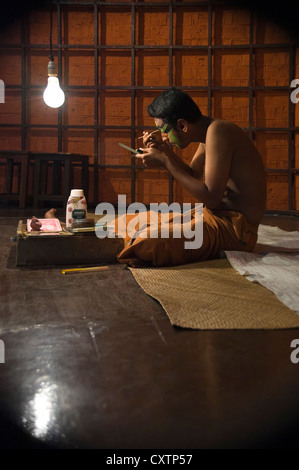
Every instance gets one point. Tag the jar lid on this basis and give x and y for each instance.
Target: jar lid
(77, 193)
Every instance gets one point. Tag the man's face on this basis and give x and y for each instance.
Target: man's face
(169, 131)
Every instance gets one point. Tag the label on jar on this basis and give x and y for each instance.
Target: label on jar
(79, 214)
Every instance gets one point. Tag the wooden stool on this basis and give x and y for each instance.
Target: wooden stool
(20, 160)
(59, 161)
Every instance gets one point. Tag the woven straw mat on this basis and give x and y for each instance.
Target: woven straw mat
(212, 295)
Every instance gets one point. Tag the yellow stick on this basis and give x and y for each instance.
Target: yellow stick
(157, 130)
(85, 270)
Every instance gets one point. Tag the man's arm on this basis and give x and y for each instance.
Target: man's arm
(217, 167)
(198, 162)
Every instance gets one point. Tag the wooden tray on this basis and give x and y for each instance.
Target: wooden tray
(64, 248)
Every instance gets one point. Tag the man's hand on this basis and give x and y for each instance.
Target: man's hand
(152, 157)
(151, 139)
(155, 139)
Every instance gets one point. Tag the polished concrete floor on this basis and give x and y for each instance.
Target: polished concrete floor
(91, 361)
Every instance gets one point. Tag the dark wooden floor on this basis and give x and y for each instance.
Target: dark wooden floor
(91, 361)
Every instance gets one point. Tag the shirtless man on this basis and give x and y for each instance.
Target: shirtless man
(226, 173)
(234, 177)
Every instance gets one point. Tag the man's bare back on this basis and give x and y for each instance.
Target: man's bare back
(246, 184)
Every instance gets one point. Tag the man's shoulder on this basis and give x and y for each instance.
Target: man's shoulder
(221, 130)
(222, 124)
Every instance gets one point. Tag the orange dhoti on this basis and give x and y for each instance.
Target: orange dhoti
(220, 231)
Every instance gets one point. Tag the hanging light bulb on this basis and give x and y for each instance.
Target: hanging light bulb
(53, 94)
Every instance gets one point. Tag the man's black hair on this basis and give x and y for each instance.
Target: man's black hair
(172, 105)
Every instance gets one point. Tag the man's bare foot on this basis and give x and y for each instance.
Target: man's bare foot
(50, 214)
(137, 263)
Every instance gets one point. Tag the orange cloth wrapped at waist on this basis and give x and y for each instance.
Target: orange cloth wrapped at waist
(221, 230)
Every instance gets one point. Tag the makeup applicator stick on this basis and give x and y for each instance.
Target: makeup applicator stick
(157, 130)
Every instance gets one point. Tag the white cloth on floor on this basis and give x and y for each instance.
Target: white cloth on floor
(276, 270)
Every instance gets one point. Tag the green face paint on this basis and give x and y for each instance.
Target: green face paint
(173, 139)
(167, 129)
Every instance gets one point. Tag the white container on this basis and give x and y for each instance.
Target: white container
(76, 208)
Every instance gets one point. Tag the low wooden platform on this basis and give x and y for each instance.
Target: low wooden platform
(64, 248)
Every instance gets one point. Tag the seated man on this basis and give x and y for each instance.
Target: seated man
(226, 174)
